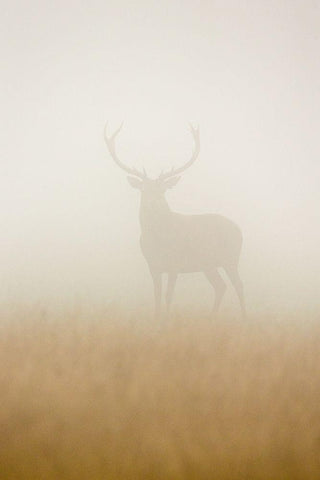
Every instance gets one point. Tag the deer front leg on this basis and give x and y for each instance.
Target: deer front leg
(157, 284)
(172, 278)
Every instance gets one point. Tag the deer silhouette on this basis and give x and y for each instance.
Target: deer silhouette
(174, 243)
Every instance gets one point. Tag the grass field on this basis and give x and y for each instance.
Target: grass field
(101, 397)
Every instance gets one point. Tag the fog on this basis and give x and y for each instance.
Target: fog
(246, 72)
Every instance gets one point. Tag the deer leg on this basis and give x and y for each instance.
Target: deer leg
(172, 278)
(157, 285)
(233, 274)
(219, 286)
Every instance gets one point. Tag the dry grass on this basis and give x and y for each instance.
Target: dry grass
(102, 398)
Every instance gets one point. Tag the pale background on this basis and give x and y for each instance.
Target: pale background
(247, 72)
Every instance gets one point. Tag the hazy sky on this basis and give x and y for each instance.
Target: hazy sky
(247, 72)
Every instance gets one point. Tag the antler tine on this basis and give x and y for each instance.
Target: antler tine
(110, 142)
(193, 128)
(113, 136)
(196, 138)
(117, 131)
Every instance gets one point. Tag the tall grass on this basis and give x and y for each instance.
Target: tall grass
(101, 397)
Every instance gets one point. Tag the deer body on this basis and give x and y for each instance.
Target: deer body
(174, 243)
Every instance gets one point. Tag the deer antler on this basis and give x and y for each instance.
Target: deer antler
(195, 153)
(110, 142)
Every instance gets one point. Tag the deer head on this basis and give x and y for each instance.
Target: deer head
(152, 188)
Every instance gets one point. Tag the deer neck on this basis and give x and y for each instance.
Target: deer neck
(154, 215)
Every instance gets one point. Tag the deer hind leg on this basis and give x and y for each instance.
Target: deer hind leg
(172, 278)
(157, 285)
(233, 274)
(219, 286)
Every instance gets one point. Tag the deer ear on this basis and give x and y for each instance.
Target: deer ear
(135, 182)
(171, 182)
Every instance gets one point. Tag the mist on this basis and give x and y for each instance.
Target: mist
(246, 73)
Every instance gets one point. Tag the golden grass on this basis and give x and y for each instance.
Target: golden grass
(97, 397)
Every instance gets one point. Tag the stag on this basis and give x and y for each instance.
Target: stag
(174, 243)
